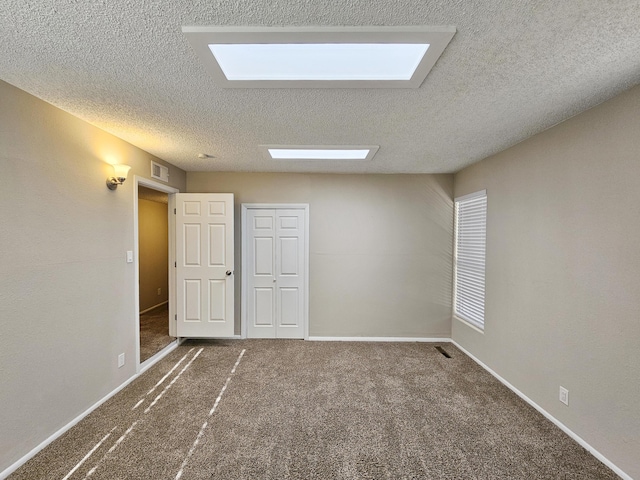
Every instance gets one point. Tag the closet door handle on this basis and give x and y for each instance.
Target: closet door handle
(229, 272)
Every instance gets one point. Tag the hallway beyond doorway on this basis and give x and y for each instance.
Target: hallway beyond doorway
(154, 331)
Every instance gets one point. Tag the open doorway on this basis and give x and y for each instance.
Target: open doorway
(153, 264)
(154, 285)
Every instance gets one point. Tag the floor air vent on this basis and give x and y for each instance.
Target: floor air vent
(443, 351)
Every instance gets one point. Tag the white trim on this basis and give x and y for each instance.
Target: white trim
(474, 314)
(164, 352)
(243, 288)
(12, 468)
(232, 337)
(379, 339)
(373, 149)
(136, 287)
(33, 452)
(173, 304)
(468, 324)
(154, 307)
(151, 361)
(547, 415)
(469, 196)
(438, 37)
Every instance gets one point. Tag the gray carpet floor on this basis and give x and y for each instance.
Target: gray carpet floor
(282, 409)
(154, 331)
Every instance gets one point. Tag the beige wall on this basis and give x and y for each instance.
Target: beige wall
(66, 292)
(563, 281)
(562, 265)
(380, 247)
(153, 241)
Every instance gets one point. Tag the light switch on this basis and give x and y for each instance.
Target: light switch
(129, 256)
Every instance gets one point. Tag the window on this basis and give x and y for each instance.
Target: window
(469, 257)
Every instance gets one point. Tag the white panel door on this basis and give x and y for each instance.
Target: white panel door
(261, 249)
(204, 265)
(290, 273)
(275, 243)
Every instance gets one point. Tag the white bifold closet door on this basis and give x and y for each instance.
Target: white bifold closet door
(276, 273)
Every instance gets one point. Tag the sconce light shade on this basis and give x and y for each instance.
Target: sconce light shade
(119, 176)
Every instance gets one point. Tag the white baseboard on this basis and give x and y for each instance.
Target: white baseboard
(144, 367)
(12, 468)
(232, 337)
(155, 306)
(377, 339)
(150, 362)
(548, 416)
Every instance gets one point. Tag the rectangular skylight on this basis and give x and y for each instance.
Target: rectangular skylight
(319, 57)
(283, 154)
(319, 61)
(314, 152)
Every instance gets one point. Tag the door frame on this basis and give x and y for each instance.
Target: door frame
(243, 289)
(145, 182)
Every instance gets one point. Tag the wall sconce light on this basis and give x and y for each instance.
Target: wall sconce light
(119, 176)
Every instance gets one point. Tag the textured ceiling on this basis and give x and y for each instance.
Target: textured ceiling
(512, 70)
(145, 193)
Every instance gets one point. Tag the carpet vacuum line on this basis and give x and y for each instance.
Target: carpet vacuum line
(113, 447)
(155, 400)
(79, 464)
(163, 379)
(211, 412)
(128, 431)
(120, 440)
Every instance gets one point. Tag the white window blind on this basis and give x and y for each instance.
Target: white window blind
(470, 249)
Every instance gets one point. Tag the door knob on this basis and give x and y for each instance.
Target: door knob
(229, 272)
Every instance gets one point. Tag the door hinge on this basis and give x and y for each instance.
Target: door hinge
(174, 211)
(175, 264)
(175, 317)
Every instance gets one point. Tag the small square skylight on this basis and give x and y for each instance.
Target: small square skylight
(319, 152)
(329, 57)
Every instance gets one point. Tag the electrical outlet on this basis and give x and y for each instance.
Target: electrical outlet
(121, 360)
(564, 395)
(160, 291)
